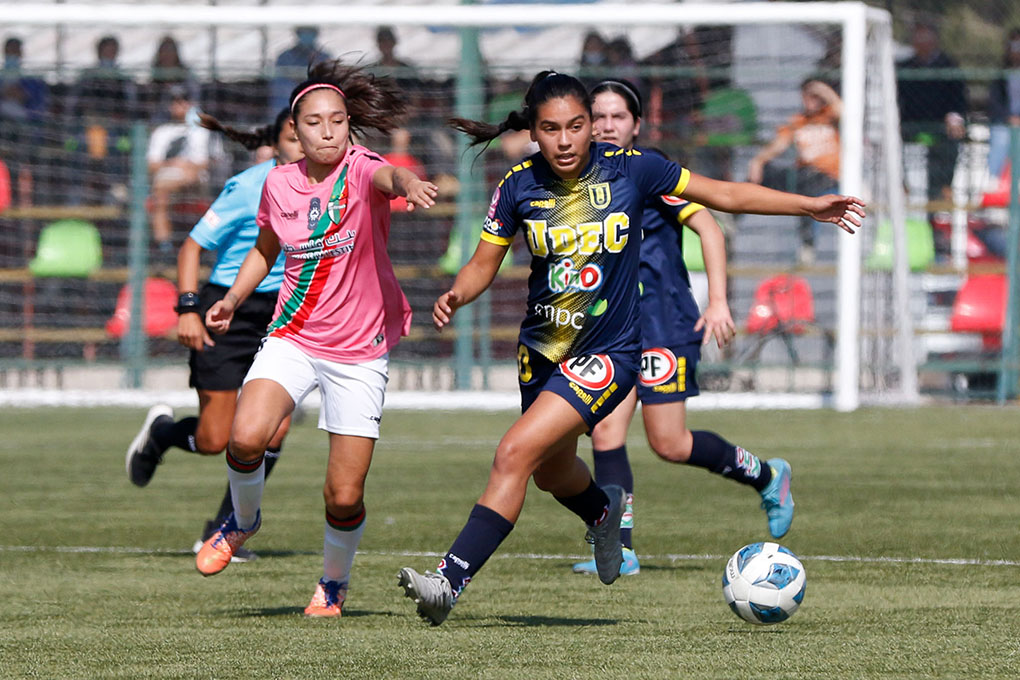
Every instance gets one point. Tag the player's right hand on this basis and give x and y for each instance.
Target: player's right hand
(191, 332)
(219, 316)
(444, 309)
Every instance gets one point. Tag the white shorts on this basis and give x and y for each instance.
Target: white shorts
(352, 394)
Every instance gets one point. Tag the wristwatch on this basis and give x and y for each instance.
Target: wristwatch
(187, 302)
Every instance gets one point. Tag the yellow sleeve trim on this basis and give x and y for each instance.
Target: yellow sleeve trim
(685, 177)
(689, 210)
(497, 240)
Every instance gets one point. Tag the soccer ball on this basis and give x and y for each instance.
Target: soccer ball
(764, 583)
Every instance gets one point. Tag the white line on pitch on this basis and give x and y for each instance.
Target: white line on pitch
(672, 557)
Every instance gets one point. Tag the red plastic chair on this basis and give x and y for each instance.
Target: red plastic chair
(980, 307)
(999, 196)
(782, 303)
(160, 317)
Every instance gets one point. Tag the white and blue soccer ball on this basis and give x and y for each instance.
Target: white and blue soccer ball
(764, 583)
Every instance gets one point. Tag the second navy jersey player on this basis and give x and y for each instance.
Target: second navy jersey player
(669, 311)
(585, 238)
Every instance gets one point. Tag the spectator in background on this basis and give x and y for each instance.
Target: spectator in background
(1004, 104)
(105, 92)
(621, 61)
(814, 132)
(23, 124)
(22, 98)
(102, 106)
(178, 155)
(386, 43)
(593, 62)
(168, 69)
(292, 66)
(932, 107)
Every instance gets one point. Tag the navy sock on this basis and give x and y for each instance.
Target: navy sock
(227, 504)
(613, 467)
(480, 537)
(181, 433)
(590, 505)
(712, 452)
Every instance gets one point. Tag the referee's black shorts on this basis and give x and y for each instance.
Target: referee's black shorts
(223, 366)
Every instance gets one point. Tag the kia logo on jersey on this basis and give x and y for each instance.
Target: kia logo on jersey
(658, 365)
(591, 371)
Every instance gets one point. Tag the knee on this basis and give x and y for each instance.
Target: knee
(342, 500)
(512, 459)
(246, 443)
(671, 448)
(211, 445)
(211, 440)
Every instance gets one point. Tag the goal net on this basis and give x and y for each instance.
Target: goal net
(824, 316)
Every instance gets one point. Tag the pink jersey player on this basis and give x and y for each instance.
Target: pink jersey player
(340, 299)
(339, 312)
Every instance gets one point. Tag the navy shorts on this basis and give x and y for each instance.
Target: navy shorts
(668, 373)
(593, 384)
(224, 365)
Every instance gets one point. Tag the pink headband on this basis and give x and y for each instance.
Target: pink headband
(314, 86)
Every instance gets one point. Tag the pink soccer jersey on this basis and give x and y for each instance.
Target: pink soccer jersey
(340, 299)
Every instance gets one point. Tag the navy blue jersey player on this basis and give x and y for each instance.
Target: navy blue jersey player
(672, 330)
(579, 207)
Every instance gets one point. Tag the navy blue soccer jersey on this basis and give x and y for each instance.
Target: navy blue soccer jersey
(585, 240)
(668, 308)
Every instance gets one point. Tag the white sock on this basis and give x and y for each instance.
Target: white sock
(246, 493)
(338, 548)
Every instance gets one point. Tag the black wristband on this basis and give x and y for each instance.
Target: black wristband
(187, 302)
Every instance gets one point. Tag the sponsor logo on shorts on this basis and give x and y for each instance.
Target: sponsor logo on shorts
(591, 371)
(375, 419)
(658, 365)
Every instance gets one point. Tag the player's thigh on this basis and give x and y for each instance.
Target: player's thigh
(262, 406)
(611, 432)
(279, 378)
(215, 418)
(549, 425)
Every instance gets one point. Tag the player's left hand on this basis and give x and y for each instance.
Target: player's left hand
(718, 322)
(421, 193)
(844, 211)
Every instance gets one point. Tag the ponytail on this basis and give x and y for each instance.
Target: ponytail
(267, 135)
(544, 86)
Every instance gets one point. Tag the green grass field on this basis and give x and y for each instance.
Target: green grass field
(907, 523)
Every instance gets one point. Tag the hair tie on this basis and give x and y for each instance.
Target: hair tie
(315, 86)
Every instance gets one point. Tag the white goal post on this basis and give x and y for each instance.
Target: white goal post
(869, 126)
